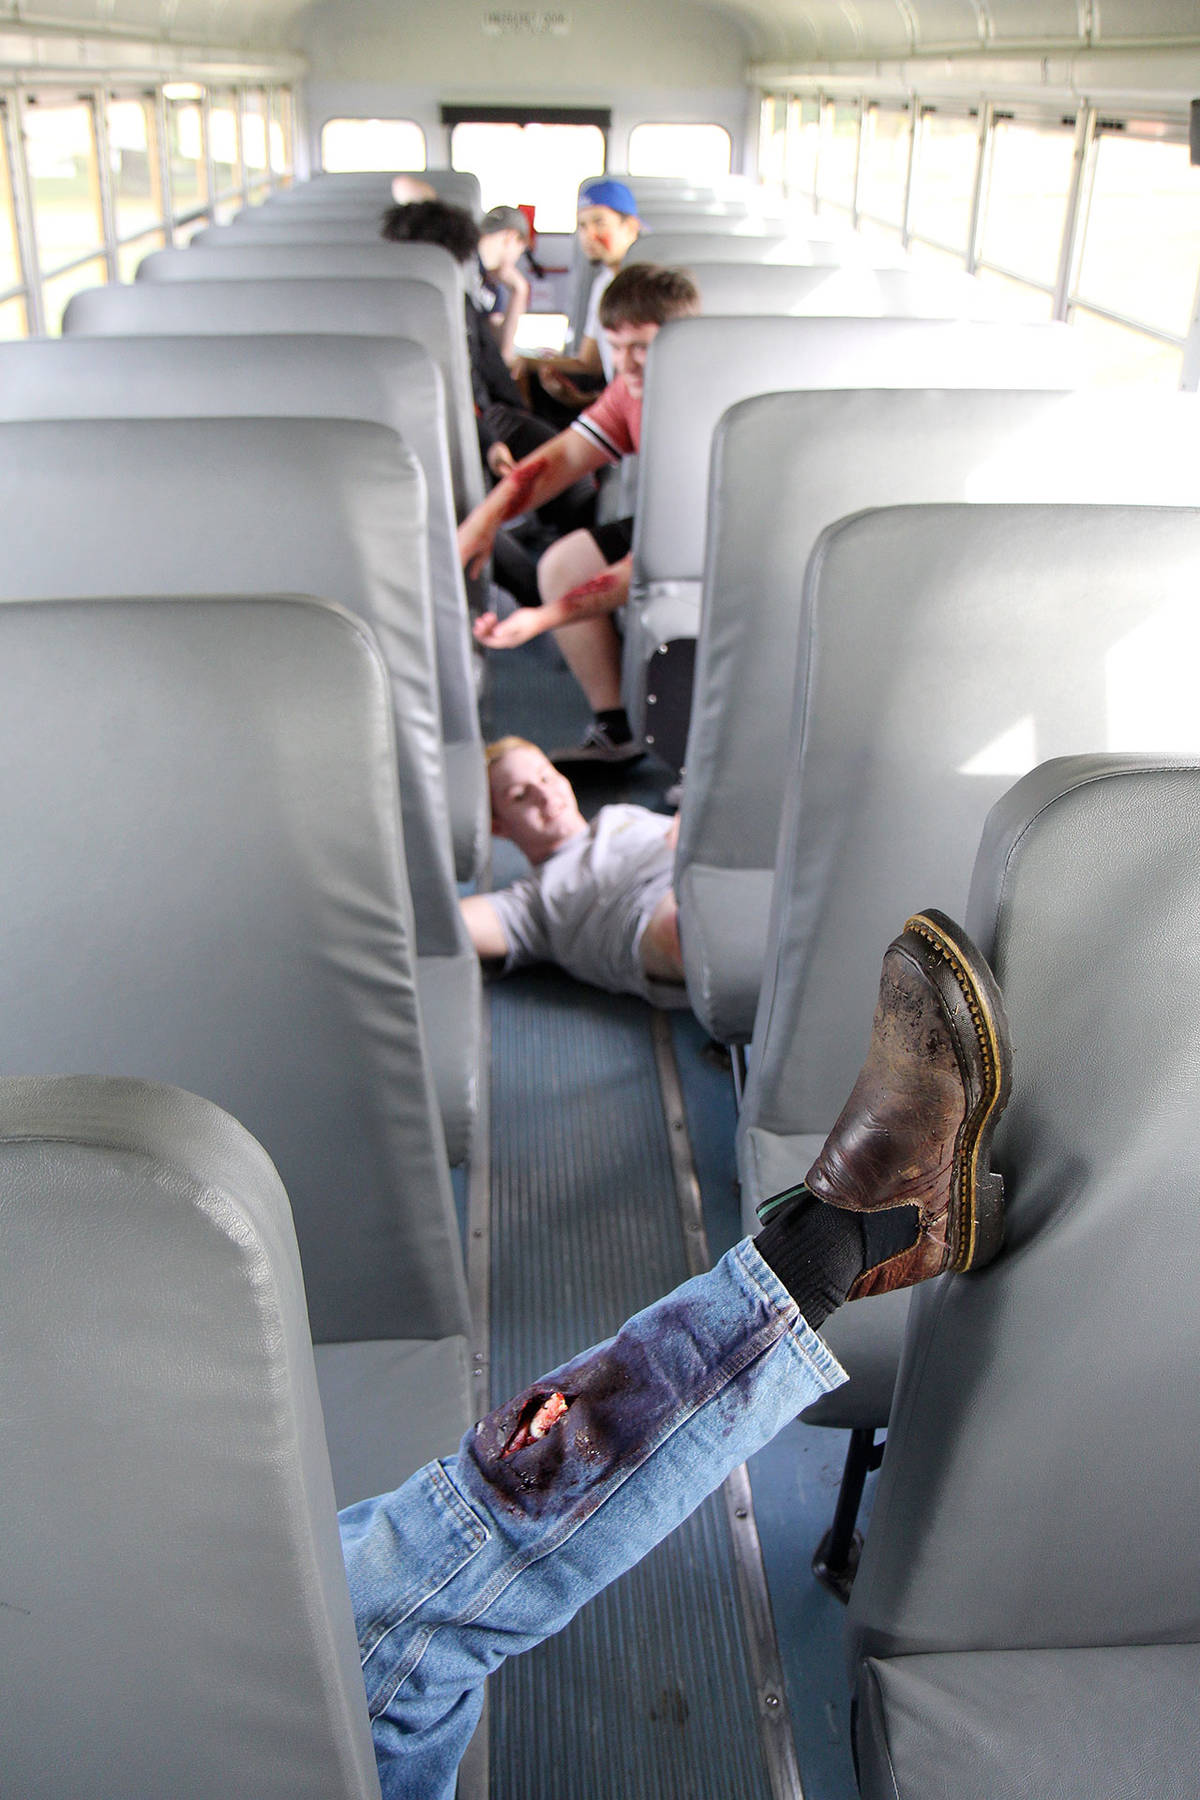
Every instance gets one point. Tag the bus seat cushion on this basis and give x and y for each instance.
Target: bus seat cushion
(867, 1339)
(1003, 1725)
(451, 990)
(377, 1437)
(724, 949)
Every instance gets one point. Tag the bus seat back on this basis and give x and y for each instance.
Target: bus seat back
(169, 1517)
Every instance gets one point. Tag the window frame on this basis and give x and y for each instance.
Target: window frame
(1064, 294)
(27, 288)
(59, 94)
(110, 253)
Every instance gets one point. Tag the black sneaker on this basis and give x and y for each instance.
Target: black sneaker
(597, 746)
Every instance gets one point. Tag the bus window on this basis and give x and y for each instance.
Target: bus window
(536, 164)
(279, 131)
(947, 152)
(354, 144)
(1034, 304)
(60, 153)
(772, 138)
(13, 323)
(698, 152)
(224, 146)
(10, 265)
(185, 148)
(839, 155)
(884, 174)
(57, 291)
(254, 139)
(1126, 355)
(801, 141)
(1025, 206)
(137, 199)
(136, 185)
(1141, 249)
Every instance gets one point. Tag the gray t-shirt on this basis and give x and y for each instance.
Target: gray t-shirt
(587, 906)
(592, 327)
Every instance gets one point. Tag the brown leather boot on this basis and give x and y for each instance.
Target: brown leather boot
(917, 1129)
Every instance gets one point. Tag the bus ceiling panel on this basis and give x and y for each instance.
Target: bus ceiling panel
(814, 31)
(827, 30)
(249, 24)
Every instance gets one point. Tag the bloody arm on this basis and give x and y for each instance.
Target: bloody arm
(533, 481)
(602, 594)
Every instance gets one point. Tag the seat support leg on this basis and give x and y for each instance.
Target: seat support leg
(737, 1065)
(835, 1562)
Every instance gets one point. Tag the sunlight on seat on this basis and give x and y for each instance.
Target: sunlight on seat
(1151, 682)
(1030, 462)
(1013, 752)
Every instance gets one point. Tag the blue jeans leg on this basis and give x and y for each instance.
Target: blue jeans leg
(491, 1551)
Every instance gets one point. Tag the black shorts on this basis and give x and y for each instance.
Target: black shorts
(613, 540)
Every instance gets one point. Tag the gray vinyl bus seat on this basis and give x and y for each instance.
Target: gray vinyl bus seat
(698, 368)
(293, 227)
(355, 186)
(684, 247)
(714, 212)
(1025, 1619)
(944, 650)
(793, 290)
(350, 213)
(275, 261)
(329, 507)
(348, 306)
(206, 886)
(168, 1502)
(700, 237)
(704, 190)
(785, 466)
(387, 380)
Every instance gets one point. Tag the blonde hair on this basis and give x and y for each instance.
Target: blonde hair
(492, 754)
(501, 747)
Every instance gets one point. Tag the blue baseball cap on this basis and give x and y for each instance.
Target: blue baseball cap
(608, 193)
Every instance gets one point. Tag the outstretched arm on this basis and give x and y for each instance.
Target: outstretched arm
(604, 593)
(534, 480)
(586, 361)
(484, 928)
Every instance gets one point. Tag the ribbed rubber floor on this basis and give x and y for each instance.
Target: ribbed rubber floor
(648, 1691)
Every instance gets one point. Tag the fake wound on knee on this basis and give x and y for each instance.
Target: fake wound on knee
(539, 1416)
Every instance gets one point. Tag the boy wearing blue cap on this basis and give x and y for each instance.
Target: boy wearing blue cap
(608, 225)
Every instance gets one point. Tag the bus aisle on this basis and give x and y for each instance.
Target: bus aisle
(608, 1124)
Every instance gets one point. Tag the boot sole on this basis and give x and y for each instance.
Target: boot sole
(974, 1005)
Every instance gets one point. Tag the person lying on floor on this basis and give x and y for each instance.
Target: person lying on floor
(599, 902)
(570, 1483)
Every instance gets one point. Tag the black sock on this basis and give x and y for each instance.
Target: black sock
(819, 1251)
(615, 721)
(816, 1251)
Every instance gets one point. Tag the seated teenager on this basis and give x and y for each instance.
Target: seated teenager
(599, 902)
(507, 429)
(608, 227)
(503, 247)
(584, 577)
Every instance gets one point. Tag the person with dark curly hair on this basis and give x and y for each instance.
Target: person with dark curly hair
(507, 429)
